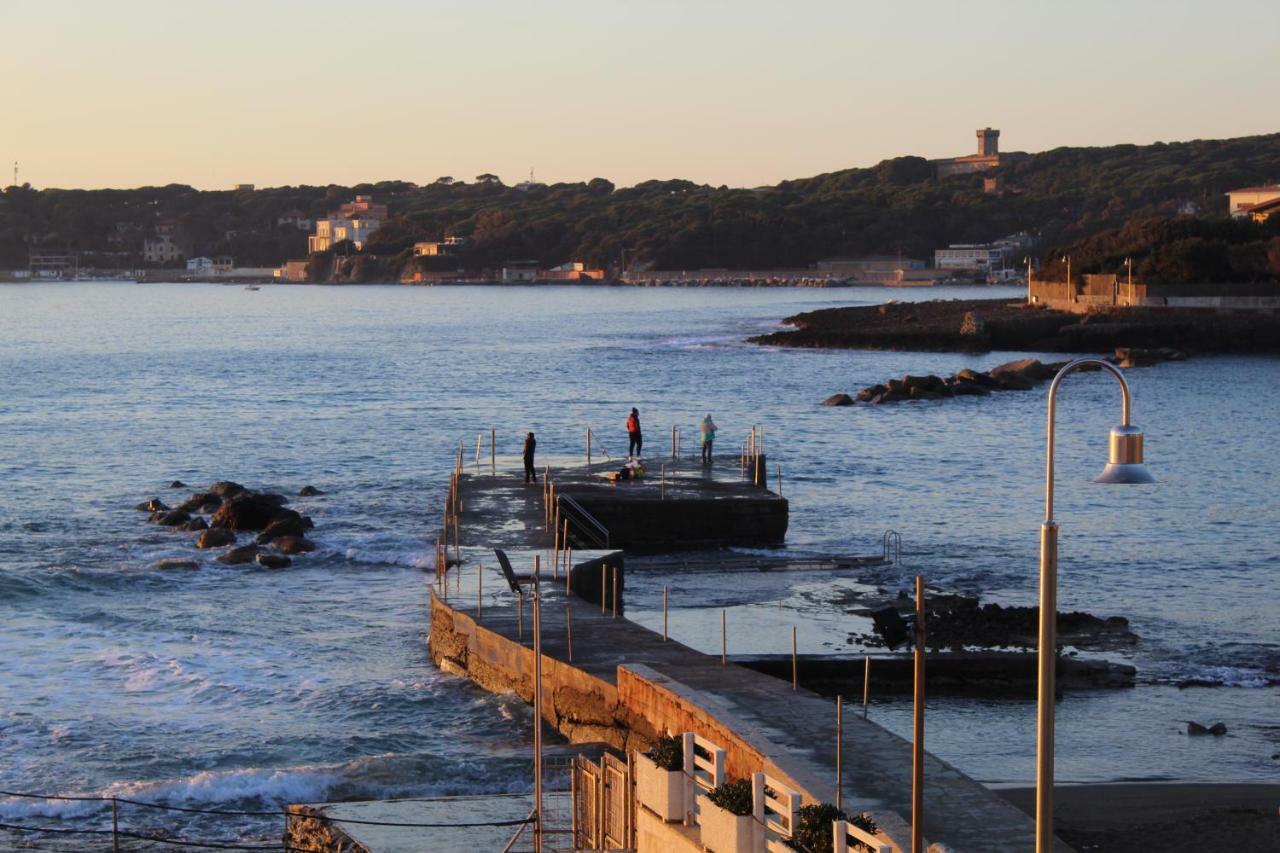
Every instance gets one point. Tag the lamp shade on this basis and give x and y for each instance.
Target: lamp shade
(1125, 466)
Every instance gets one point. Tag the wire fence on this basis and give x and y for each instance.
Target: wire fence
(117, 834)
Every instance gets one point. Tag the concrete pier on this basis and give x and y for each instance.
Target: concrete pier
(624, 684)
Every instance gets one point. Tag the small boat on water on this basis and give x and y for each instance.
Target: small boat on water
(253, 287)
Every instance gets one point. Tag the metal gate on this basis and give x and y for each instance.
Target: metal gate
(616, 813)
(586, 804)
(602, 804)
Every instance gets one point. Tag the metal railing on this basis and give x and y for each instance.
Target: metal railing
(584, 523)
(891, 542)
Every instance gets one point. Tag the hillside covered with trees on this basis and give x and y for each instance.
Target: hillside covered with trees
(1059, 196)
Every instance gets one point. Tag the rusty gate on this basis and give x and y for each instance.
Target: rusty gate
(602, 804)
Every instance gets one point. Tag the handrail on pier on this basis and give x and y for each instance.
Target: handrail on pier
(892, 544)
(585, 524)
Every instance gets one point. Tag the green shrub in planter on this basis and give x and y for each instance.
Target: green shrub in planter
(734, 797)
(668, 752)
(813, 827)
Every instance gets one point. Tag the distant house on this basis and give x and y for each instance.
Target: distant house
(1263, 211)
(161, 249)
(447, 246)
(294, 218)
(572, 271)
(971, 257)
(353, 221)
(1241, 202)
(220, 265)
(292, 271)
(519, 271)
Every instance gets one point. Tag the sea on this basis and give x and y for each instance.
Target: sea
(241, 688)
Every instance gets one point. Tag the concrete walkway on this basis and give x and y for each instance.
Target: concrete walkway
(799, 726)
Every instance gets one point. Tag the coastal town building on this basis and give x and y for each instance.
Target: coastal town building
(294, 218)
(295, 271)
(1265, 210)
(988, 157)
(572, 271)
(1242, 202)
(353, 221)
(210, 266)
(447, 246)
(515, 272)
(161, 249)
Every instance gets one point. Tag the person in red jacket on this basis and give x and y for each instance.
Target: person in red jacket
(634, 440)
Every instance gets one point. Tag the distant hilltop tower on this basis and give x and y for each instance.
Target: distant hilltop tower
(988, 142)
(988, 156)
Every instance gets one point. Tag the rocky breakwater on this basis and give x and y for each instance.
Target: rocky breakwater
(227, 515)
(1021, 375)
(983, 325)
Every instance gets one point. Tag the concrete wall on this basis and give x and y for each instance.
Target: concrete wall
(586, 581)
(580, 706)
(655, 523)
(1097, 291)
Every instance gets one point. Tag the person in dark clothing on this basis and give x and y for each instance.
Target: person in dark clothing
(530, 445)
(634, 440)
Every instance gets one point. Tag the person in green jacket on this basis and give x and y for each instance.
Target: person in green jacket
(708, 437)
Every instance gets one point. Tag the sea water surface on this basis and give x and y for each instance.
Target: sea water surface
(241, 687)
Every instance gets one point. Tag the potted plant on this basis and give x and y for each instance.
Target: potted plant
(660, 778)
(728, 825)
(813, 828)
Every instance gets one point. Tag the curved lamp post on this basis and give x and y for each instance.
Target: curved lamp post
(1124, 466)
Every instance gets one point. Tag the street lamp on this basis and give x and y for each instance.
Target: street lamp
(1124, 466)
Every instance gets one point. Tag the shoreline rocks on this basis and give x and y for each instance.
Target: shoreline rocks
(235, 508)
(1020, 375)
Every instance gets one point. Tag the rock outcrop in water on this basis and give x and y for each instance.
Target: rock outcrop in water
(236, 509)
(1020, 375)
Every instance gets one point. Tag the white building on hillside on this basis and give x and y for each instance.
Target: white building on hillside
(1240, 202)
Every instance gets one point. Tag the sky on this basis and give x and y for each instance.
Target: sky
(744, 93)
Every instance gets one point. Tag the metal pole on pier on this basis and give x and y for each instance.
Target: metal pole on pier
(615, 592)
(839, 744)
(568, 624)
(664, 613)
(724, 644)
(795, 670)
(588, 450)
(866, 686)
(917, 728)
(537, 711)
(479, 590)
(493, 452)
(673, 441)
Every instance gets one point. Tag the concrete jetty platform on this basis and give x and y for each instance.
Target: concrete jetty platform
(624, 684)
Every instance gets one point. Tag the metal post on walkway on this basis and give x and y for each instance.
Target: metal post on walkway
(537, 713)
(493, 452)
(866, 685)
(615, 592)
(724, 643)
(795, 673)
(479, 590)
(839, 745)
(479, 444)
(917, 728)
(588, 450)
(779, 481)
(604, 580)
(662, 489)
(664, 613)
(568, 624)
(673, 441)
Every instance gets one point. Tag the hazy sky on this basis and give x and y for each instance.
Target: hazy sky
(272, 92)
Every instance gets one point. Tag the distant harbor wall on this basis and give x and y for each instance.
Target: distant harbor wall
(1095, 292)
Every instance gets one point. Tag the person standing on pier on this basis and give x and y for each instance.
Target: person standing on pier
(530, 445)
(634, 440)
(708, 438)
